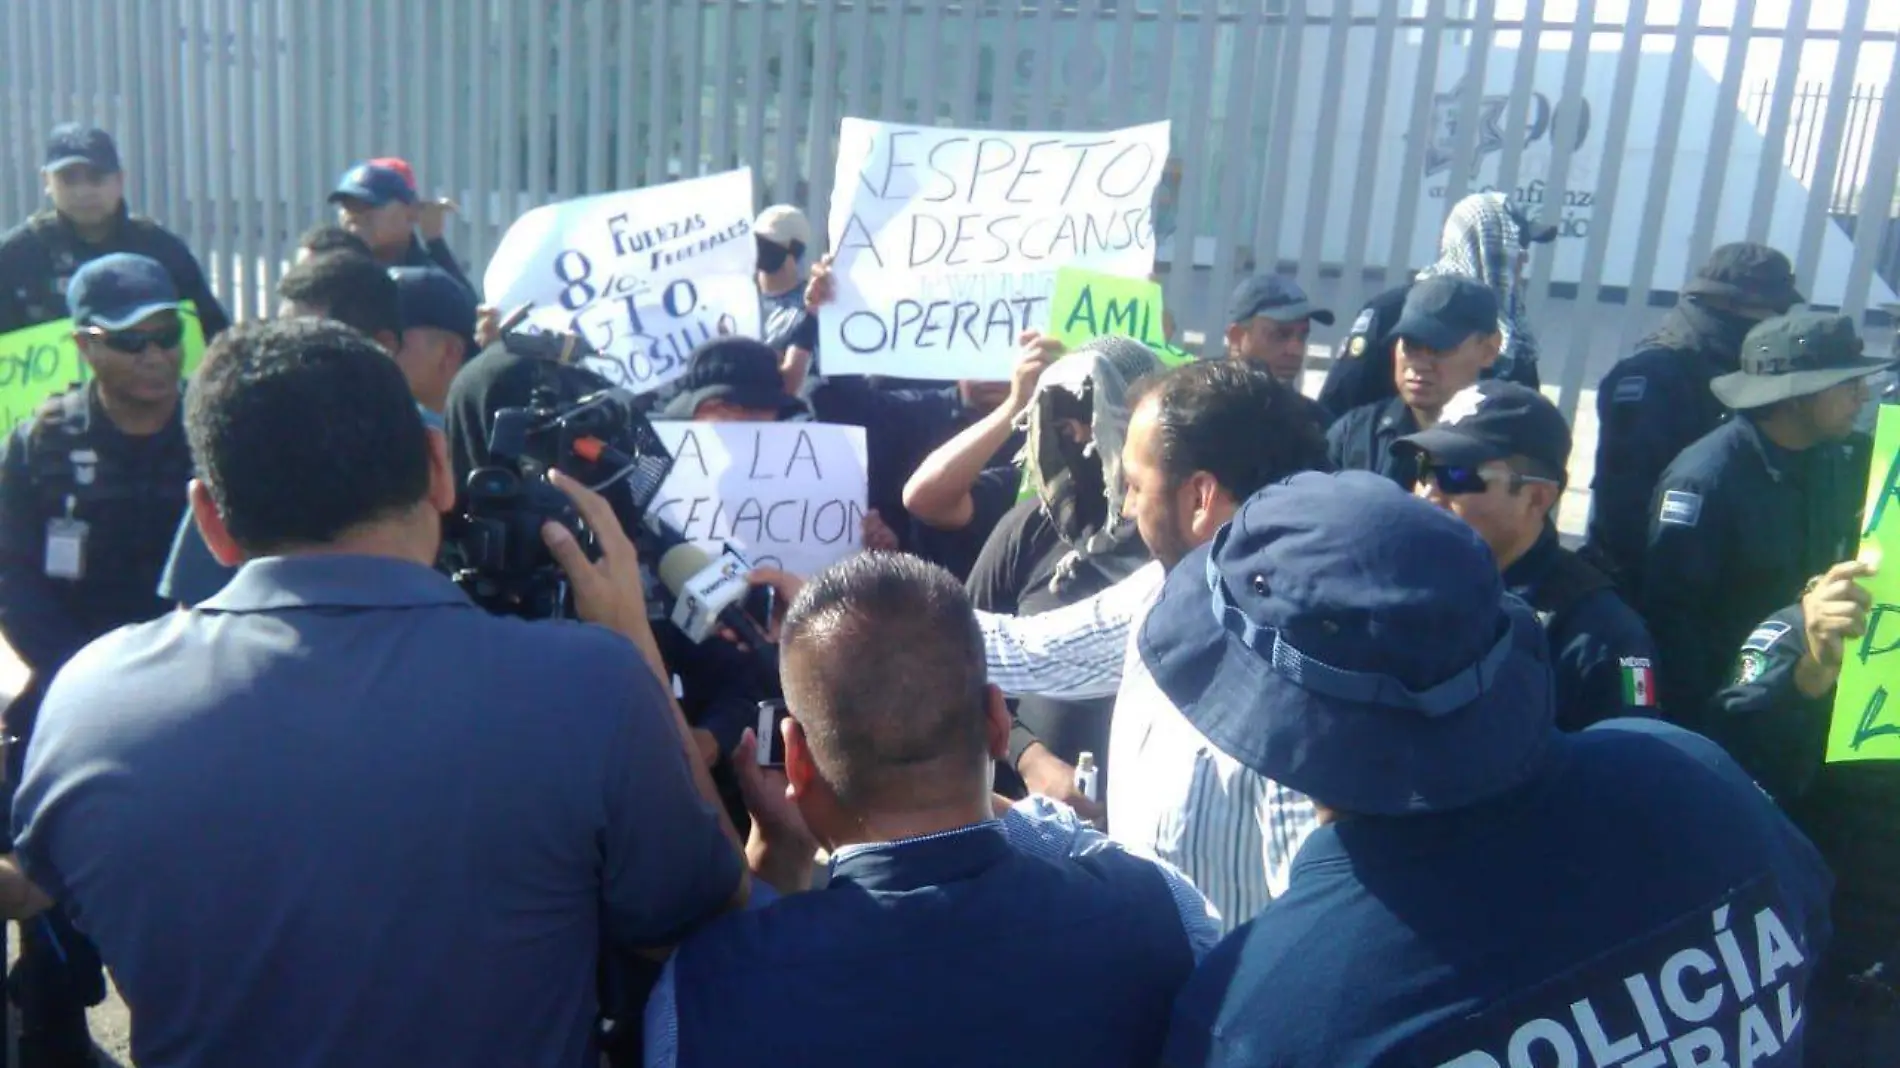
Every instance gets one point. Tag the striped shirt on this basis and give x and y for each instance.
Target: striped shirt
(1172, 795)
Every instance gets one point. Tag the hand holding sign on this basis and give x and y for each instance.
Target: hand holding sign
(1866, 722)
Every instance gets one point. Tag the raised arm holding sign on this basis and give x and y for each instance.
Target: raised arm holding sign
(1866, 723)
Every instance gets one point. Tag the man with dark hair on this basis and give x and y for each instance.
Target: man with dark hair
(377, 201)
(1483, 890)
(326, 238)
(86, 186)
(893, 726)
(288, 797)
(1497, 460)
(1746, 515)
(1269, 321)
(350, 289)
(438, 331)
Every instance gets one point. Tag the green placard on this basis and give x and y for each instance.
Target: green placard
(1866, 724)
(1089, 304)
(38, 361)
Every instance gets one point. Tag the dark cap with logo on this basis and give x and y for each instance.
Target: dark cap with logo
(375, 183)
(1274, 297)
(118, 290)
(1356, 644)
(1492, 420)
(73, 144)
(433, 298)
(741, 371)
(1442, 310)
(1793, 356)
(1748, 274)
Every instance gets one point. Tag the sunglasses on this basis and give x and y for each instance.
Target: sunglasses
(1460, 481)
(133, 342)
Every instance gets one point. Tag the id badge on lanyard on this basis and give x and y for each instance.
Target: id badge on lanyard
(66, 545)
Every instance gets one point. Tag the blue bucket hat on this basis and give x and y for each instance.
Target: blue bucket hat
(1352, 642)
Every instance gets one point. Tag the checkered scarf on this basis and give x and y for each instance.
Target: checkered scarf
(1481, 241)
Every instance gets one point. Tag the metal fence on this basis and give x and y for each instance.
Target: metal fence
(1324, 139)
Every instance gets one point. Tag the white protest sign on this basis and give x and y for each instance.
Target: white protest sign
(946, 241)
(644, 275)
(788, 495)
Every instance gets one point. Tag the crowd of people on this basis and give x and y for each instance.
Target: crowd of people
(1170, 716)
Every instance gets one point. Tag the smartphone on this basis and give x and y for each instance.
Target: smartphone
(771, 738)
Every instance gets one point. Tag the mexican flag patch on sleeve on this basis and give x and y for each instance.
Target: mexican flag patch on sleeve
(1639, 682)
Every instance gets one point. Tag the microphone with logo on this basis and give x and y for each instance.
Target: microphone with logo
(708, 592)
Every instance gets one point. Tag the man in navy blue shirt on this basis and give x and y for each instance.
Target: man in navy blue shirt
(337, 814)
(887, 760)
(1484, 892)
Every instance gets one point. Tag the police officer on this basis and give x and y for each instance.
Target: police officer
(1656, 402)
(90, 491)
(1445, 338)
(377, 201)
(88, 220)
(1269, 322)
(1497, 459)
(1747, 513)
(1773, 717)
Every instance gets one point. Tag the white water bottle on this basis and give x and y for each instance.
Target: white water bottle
(1086, 776)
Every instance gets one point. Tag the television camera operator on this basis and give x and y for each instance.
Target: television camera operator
(337, 814)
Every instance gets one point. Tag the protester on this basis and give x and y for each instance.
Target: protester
(1201, 438)
(1657, 402)
(1445, 339)
(783, 236)
(1486, 890)
(1067, 540)
(1497, 460)
(272, 828)
(1774, 716)
(89, 219)
(377, 201)
(1486, 238)
(1269, 321)
(90, 489)
(1746, 514)
(887, 757)
(438, 331)
(329, 237)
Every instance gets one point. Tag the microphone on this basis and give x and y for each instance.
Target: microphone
(708, 593)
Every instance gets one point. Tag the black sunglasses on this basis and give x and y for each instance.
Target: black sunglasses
(133, 342)
(1459, 481)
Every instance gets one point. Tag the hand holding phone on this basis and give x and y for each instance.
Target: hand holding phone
(770, 734)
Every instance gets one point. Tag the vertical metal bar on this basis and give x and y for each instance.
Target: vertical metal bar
(791, 68)
(891, 98)
(1656, 196)
(1005, 105)
(1365, 174)
(1320, 178)
(824, 120)
(725, 44)
(1815, 221)
(927, 88)
(173, 131)
(262, 82)
(600, 114)
(963, 106)
(1516, 112)
(625, 94)
(536, 126)
(1275, 167)
(1875, 219)
(659, 80)
(1761, 211)
(1121, 66)
(566, 126)
(1565, 125)
(39, 89)
(1239, 152)
(755, 79)
(127, 98)
(1412, 161)
(1190, 224)
(1721, 135)
(1470, 99)
(857, 101)
(478, 169)
(59, 87)
(342, 105)
(693, 97)
(1048, 43)
(393, 75)
(19, 200)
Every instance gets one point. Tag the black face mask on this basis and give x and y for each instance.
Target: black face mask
(771, 256)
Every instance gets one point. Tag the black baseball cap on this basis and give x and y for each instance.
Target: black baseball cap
(1442, 310)
(741, 371)
(1492, 420)
(73, 144)
(431, 297)
(374, 184)
(1750, 274)
(1793, 356)
(118, 290)
(1274, 297)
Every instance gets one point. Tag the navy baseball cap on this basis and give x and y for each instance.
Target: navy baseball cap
(1352, 642)
(739, 370)
(1491, 420)
(431, 297)
(374, 184)
(73, 143)
(1442, 310)
(1275, 297)
(117, 290)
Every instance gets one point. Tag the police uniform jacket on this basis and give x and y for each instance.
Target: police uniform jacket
(1361, 440)
(128, 491)
(38, 258)
(1600, 651)
(1737, 527)
(1651, 406)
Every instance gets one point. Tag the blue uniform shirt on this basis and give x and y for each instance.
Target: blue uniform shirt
(1600, 652)
(339, 815)
(1361, 440)
(1638, 902)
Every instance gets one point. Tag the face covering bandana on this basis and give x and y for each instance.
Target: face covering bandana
(771, 257)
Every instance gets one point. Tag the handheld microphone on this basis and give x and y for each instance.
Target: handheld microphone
(707, 592)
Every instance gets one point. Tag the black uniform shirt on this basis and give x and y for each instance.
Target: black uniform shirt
(1361, 440)
(38, 258)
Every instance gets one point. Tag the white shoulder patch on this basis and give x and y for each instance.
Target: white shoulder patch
(1630, 390)
(1766, 635)
(1363, 323)
(1680, 508)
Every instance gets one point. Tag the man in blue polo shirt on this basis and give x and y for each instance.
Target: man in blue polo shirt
(337, 814)
(1484, 891)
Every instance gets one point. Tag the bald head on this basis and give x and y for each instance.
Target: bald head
(883, 668)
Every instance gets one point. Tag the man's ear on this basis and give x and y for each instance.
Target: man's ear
(1205, 498)
(1235, 332)
(441, 472)
(996, 722)
(204, 512)
(1493, 348)
(801, 772)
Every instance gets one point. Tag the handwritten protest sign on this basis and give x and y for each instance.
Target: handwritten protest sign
(1090, 304)
(1866, 724)
(946, 241)
(788, 495)
(39, 361)
(644, 275)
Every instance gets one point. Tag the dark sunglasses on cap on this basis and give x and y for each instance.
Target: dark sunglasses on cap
(133, 342)
(1460, 481)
